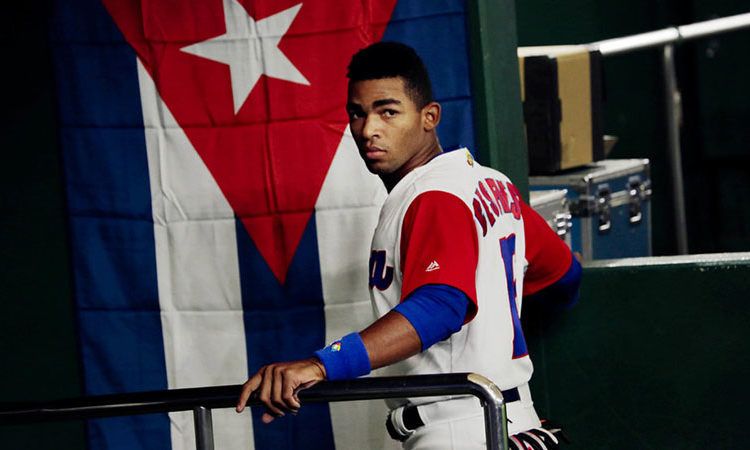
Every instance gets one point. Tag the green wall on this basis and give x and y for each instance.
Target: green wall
(497, 89)
(37, 336)
(653, 356)
(713, 76)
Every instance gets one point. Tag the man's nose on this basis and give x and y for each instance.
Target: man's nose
(370, 128)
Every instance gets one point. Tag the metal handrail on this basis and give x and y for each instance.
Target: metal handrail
(670, 35)
(666, 38)
(202, 400)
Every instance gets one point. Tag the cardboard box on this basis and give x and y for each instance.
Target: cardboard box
(562, 97)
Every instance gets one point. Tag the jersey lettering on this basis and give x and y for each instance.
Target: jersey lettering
(486, 210)
(508, 250)
(381, 276)
(489, 199)
(515, 207)
(493, 193)
(479, 215)
(498, 191)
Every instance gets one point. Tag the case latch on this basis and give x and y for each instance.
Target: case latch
(634, 193)
(638, 192)
(603, 197)
(563, 223)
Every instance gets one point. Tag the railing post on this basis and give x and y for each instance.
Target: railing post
(673, 105)
(204, 428)
(495, 423)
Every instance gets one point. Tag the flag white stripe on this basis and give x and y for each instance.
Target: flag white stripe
(198, 273)
(346, 215)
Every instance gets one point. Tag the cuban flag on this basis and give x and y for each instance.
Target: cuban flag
(220, 216)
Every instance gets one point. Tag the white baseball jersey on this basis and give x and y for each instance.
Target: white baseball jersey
(455, 222)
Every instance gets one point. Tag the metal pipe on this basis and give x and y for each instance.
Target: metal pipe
(494, 413)
(204, 428)
(671, 35)
(636, 42)
(119, 404)
(226, 396)
(673, 107)
(714, 26)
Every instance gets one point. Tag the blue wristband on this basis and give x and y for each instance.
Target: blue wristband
(346, 358)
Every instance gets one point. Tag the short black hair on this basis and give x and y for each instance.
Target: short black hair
(390, 60)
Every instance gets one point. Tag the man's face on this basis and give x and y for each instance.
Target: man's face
(386, 124)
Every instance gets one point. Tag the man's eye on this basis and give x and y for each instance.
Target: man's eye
(390, 112)
(354, 115)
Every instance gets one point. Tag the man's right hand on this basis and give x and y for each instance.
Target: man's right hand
(276, 386)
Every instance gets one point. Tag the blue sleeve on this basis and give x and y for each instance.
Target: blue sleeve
(563, 293)
(436, 311)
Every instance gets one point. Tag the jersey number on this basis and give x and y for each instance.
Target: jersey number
(507, 250)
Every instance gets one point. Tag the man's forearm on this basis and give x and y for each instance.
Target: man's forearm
(390, 339)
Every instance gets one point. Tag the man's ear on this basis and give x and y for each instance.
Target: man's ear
(431, 116)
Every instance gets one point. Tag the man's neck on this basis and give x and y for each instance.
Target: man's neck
(390, 180)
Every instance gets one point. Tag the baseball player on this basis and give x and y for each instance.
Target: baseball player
(447, 270)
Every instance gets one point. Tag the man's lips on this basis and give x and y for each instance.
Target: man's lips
(373, 152)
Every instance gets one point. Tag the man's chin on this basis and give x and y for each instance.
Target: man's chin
(377, 167)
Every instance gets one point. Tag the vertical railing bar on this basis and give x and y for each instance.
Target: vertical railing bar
(204, 428)
(495, 424)
(673, 106)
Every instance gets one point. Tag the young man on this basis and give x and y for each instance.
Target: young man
(446, 269)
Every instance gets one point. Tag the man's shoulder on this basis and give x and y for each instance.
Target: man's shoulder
(445, 170)
(455, 171)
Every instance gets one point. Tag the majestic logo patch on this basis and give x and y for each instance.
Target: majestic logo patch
(433, 266)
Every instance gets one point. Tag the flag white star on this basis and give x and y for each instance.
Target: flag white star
(250, 49)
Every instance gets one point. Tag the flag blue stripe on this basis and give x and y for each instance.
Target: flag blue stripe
(111, 228)
(285, 323)
(437, 30)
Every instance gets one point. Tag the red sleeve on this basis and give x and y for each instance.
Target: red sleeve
(548, 256)
(439, 245)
